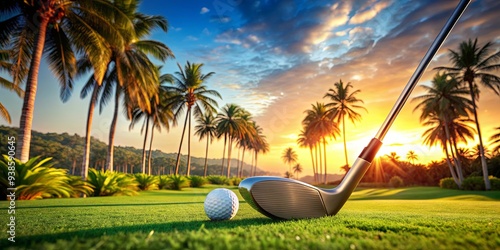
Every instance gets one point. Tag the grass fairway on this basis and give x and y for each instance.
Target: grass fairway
(407, 218)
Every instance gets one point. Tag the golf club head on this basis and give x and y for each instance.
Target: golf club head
(283, 198)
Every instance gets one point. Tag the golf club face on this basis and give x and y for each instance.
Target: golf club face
(283, 198)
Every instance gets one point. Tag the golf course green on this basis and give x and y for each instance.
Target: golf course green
(404, 218)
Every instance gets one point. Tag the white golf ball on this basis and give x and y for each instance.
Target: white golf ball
(221, 204)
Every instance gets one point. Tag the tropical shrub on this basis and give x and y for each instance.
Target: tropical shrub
(218, 180)
(34, 179)
(163, 181)
(473, 183)
(177, 182)
(495, 183)
(448, 183)
(146, 182)
(111, 183)
(235, 181)
(196, 181)
(79, 186)
(396, 182)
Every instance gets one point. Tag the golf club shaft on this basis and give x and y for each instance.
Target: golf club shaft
(421, 68)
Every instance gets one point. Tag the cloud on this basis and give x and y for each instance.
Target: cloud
(204, 10)
(368, 14)
(192, 38)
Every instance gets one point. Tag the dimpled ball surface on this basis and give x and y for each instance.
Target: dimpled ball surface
(221, 204)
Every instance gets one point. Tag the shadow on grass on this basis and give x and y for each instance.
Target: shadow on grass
(424, 193)
(177, 226)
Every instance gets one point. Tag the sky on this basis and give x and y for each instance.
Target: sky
(277, 58)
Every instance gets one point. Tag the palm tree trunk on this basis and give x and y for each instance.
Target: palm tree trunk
(459, 162)
(206, 158)
(252, 169)
(143, 159)
(177, 162)
(448, 141)
(229, 149)
(241, 168)
(112, 130)
(320, 177)
(188, 170)
(28, 109)
(452, 171)
(324, 150)
(484, 166)
(312, 159)
(151, 145)
(90, 116)
(345, 145)
(223, 154)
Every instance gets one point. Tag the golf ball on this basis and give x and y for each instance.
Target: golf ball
(221, 204)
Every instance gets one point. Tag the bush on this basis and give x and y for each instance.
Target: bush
(495, 183)
(196, 181)
(396, 182)
(34, 179)
(80, 187)
(146, 182)
(111, 183)
(218, 180)
(177, 182)
(473, 183)
(235, 181)
(163, 182)
(448, 183)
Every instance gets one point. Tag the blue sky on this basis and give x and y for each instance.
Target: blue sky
(276, 58)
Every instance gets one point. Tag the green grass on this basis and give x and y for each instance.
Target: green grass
(405, 218)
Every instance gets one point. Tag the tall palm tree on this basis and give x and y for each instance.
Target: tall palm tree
(232, 126)
(159, 115)
(473, 64)
(306, 140)
(495, 141)
(319, 123)
(445, 102)
(60, 29)
(190, 93)
(411, 156)
(207, 127)
(289, 157)
(258, 145)
(343, 103)
(297, 169)
(5, 65)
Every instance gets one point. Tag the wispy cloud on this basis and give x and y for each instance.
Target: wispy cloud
(204, 10)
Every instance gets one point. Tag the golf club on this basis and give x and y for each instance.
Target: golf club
(283, 198)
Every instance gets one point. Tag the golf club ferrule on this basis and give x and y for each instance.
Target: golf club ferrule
(371, 150)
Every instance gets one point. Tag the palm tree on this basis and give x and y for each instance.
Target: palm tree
(134, 77)
(5, 65)
(297, 169)
(159, 115)
(289, 156)
(472, 64)
(206, 128)
(307, 140)
(393, 156)
(259, 145)
(190, 92)
(60, 29)
(343, 103)
(319, 123)
(411, 156)
(232, 126)
(495, 141)
(444, 103)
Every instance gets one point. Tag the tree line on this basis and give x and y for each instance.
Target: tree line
(108, 40)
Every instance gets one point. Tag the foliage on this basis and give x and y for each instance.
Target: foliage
(146, 182)
(396, 182)
(177, 182)
(476, 183)
(218, 180)
(448, 183)
(495, 183)
(235, 181)
(107, 183)
(79, 186)
(196, 181)
(35, 179)
(162, 181)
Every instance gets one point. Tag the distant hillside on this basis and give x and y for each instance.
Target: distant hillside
(67, 152)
